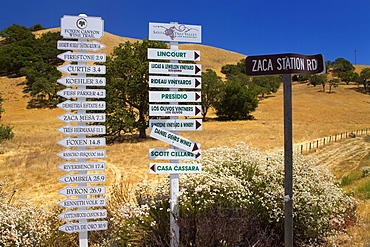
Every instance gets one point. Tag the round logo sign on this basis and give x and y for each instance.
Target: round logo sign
(81, 23)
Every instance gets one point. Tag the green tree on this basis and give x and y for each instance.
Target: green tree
(236, 101)
(333, 83)
(16, 33)
(266, 84)
(319, 80)
(127, 91)
(348, 76)
(341, 65)
(364, 78)
(210, 89)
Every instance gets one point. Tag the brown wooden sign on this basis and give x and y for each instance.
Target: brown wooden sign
(288, 63)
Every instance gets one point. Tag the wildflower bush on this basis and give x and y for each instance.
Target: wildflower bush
(237, 200)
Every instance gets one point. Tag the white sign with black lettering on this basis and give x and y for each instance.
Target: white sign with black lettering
(82, 69)
(169, 96)
(82, 105)
(175, 82)
(78, 45)
(88, 117)
(167, 54)
(177, 124)
(82, 190)
(70, 81)
(69, 56)
(82, 130)
(84, 227)
(175, 110)
(81, 27)
(83, 203)
(82, 154)
(175, 68)
(82, 166)
(83, 214)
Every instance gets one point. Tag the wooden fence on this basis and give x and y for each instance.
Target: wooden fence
(308, 146)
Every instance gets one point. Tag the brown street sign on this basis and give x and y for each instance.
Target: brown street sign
(288, 63)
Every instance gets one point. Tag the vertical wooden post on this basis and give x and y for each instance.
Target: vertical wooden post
(288, 161)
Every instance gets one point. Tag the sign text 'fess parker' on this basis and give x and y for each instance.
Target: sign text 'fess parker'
(289, 63)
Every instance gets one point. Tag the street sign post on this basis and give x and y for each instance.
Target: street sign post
(83, 214)
(83, 227)
(79, 45)
(82, 166)
(83, 203)
(175, 82)
(69, 56)
(177, 124)
(174, 140)
(174, 168)
(167, 54)
(175, 68)
(172, 154)
(286, 64)
(82, 130)
(169, 96)
(175, 110)
(82, 105)
(82, 69)
(82, 81)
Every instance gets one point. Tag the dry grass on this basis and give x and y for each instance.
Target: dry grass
(30, 159)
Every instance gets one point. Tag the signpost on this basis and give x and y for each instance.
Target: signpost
(286, 64)
(160, 128)
(82, 28)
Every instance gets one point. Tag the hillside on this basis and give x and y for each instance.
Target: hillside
(30, 160)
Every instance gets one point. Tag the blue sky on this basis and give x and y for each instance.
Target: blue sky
(334, 28)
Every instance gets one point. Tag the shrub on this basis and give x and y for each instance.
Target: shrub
(247, 186)
(6, 132)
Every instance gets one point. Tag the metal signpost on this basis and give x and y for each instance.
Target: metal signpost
(161, 128)
(82, 28)
(286, 64)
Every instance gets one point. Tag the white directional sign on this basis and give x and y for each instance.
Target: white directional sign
(82, 130)
(69, 56)
(69, 142)
(82, 69)
(167, 54)
(175, 68)
(82, 154)
(88, 117)
(83, 203)
(84, 178)
(175, 32)
(81, 105)
(80, 27)
(82, 190)
(174, 168)
(175, 140)
(172, 154)
(83, 214)
(176, 124)
(84, 227)
(69, 93)
(175, 110)
(180, 96)
(77, 45)
(175, 82)
(82, 81)
(82, 166)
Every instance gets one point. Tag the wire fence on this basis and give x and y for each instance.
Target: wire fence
(312, 145)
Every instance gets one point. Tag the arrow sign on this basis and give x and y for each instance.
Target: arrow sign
(175, 82)
(176, 124)
(77, 45)
(82, 190)
(89, 117)
(82, 130)
(172, 154)
(82, 93)
(175, 110)
(82, 81)
(168, 54)
(83, 203)
(69, 56)
(69, 142)
(82, 69)
(82, 154)
(84, 227)
(175, 140)
(175, 68)
(83, 214)
(85, 178)
(82, 105)
(174, 168)
(82, 166)
(169, 96)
